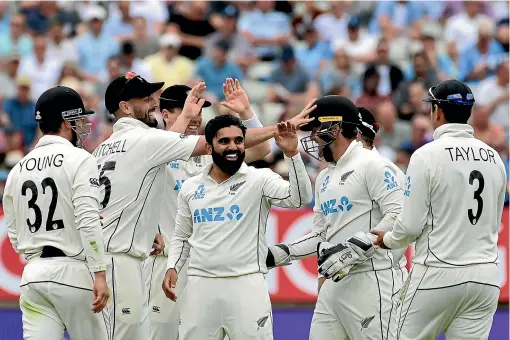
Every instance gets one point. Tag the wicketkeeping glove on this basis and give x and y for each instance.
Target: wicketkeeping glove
(278, 255)
(336, 261)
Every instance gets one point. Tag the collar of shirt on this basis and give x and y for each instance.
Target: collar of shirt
(454, 130)
(374, 150)
(353, 146)
(52, 139)
(243, 170)
(128, 123)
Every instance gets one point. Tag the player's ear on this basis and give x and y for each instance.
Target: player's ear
(124, 106)
(208, 148)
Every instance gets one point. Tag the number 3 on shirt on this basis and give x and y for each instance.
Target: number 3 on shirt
(103, 180)
(475, 174)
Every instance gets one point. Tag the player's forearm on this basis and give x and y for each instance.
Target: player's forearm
(391, 207)
(180, 124)
(305, 246)
(178, 254)
(399, 237)
(13, 235)
(91, 233)
(300, 186)
(250, 120)
(259, 135)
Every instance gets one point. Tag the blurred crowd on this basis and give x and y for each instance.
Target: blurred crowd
(384, 55)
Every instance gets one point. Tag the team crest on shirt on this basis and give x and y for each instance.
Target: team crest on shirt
(235, 187)
(344, 177)
(198, 161)
(199, 193)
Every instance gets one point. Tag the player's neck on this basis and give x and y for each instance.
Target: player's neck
(218, 175)
(60, 134)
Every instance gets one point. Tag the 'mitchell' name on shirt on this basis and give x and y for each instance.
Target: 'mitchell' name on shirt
(110, 148)
(470, 154)
(42, 163)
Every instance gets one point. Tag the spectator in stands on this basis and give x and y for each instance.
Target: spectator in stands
(240, 50)
(503, 33)
(192, 25)
(8, 76)
(120, 26)
(4, 16)
(14, 39)
(390, 75)
(420, 69)
(478, 60)
(95, 46)
(421, 134)
(338, 76)
(59, 47)
(166, 65)
(20, 110)
(461, 30)
(314, 52)
(290, 82)
(332, 25)
(393, 132)
(371, 98)
(266, 29)
(214, 70)
(129, 61)
(486, 131)
(42, 71)
(360, 46)
(41, 15)
(440, 62)
(145, 43)
(414, 105)
(493, 96)
(396, 18)
(69, 70)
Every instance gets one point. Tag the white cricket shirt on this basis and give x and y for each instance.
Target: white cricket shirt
(359, 193)
(453, 201)
(51, 198)
(132, 177)
(225, 223)
(176, 173)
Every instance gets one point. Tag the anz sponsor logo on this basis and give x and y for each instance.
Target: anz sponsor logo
(174, 165)
(217, 214)
(389, 180)
(199, 193)
(335, 206)
(178, 184)
(407, 191)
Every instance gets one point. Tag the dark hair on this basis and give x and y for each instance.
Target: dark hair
(349, 131)
(221, 122)
(367, 140)
(169, 105)
(128, 48)
(457, 114)
(50, 125)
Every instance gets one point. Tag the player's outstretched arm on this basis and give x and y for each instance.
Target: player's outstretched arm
(415, 207)
(179, 248)
(236, 100)
(86, 210)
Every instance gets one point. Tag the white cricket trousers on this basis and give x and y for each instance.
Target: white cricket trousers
(238, 307)
(460, 302)
(56, 294)
(129, 317)
(164, 313)
(359, 307)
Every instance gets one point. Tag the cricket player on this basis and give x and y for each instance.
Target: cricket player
(51, 209)
(358, 192)
(453, 203)
(164, 312)
(132, 165)
(221, 226)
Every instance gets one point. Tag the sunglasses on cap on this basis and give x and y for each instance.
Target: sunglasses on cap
(456, 99)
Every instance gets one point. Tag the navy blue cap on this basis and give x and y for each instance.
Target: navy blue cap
(354, 22)
(287, 53)
(451, 92)
(230, 11)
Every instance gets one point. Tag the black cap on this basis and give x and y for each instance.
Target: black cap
(230, 12)
(451, 92)
(128, 87)
(333, 109)
(175, 96)
(223, 44)
(368, 127)
(287, 53)
(60, 103)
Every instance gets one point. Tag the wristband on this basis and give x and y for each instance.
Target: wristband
(253, 122)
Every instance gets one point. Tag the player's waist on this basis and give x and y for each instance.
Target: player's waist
(224, 272)
(54, 252)
(441, 277)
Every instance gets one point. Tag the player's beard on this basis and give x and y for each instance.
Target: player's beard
(328, 154)
(74, 138)
(146, 117)
(228, 167)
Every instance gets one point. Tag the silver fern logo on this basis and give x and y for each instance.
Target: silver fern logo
(235, 187)
(343, 178)
(366, 322)
(262, 321)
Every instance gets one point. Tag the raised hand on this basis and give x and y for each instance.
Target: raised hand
(286, 138)
(194, 101)
(236, 99)
(302, 117)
